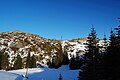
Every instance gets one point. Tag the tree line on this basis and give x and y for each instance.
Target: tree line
(60, 58)
(101, 65)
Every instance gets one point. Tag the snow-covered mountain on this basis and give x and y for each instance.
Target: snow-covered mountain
(17, 42)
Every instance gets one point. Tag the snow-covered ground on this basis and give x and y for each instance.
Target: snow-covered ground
(40, 74)
(9, 76)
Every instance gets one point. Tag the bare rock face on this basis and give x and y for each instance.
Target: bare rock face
(18, 44)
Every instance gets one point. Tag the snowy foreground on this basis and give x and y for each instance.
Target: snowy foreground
(40, 74)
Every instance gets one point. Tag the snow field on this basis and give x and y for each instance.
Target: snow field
(47, 73)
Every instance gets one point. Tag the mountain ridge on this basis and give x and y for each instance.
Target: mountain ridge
(19, 31)
(18, 42)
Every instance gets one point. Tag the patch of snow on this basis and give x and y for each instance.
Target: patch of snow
(48, 74)
(7, 75)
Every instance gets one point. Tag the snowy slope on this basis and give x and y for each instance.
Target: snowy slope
(8, 76)
(47, 73)
(17, 42)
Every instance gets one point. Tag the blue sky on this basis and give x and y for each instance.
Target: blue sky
(55, 18)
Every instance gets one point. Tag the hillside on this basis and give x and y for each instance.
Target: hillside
(17, 42)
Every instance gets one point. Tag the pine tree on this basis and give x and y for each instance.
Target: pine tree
(105, 45)
(5, 61)
(112, 57)
(32, 62)
(118, 35)
(18, 62)
(58, 58)
(72, 63)
(91, 58)
(117, 55)
(60, 55)
(28, 60)
(60, 77)
(109, 57)
(65, 58)
(51, 63)
(105, 39)
(77, 61)
(1, 54)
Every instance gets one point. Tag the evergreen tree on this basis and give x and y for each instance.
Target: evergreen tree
(91, 58)
(105, 39)
(58, 58)
(18, 62)
(28, 60)
(5, 61)
(118, 35)
(109, 57)
(49, 63)
(65, 58)
(77, 61)
(105, 45)
(32, 62)
(1, 54)
(60, 77)
(112, 57)
(60, 55)
(72, 63)
(117, 55)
